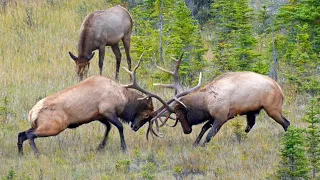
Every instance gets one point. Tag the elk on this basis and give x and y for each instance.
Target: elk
(100, 29)
(96, 98)
(229, 95)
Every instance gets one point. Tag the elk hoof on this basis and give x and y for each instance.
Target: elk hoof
(100, 147)
(247, 129)
(195, 144)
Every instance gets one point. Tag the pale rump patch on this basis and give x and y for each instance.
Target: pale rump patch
(33, 113)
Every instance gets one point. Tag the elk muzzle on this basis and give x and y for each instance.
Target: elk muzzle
(181, 116)
(82, 69)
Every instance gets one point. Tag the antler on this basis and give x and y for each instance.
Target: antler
(159, 112)
(176, 83)
(135, 85)
(179, 92)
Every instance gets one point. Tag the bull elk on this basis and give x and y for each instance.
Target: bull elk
(100, 29)
(96, 98)
(229, 95)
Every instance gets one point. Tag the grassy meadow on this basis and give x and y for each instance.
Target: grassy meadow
(35, 37)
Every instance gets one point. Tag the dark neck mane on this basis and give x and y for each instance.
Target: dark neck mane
(131, 108)
(196, 109)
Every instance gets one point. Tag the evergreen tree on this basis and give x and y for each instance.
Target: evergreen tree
(234, 42)
(293, 164)
(298, 21)
(181, 33)
(313, 135)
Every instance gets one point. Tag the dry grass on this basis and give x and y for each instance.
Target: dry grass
(34, 62)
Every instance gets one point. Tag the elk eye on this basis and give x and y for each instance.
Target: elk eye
(146, 116)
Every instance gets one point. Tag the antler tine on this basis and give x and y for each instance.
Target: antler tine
(171, 86)
(190, 90)
(176, 98)
(135, 85)
(179, 95)
(164, 70)
(176, 84)
(133, 73)
(153, 132)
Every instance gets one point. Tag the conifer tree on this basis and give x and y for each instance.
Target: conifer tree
(233, 38)
(298, 21)
(293, 164)
(181, 33)
(313, 136)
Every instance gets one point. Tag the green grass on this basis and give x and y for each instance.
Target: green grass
(34, 63)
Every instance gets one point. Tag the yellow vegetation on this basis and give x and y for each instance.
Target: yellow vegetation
(35, 37)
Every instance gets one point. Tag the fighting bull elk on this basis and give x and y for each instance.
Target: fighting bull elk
(229, 95)
(96, 98)
(100, 29)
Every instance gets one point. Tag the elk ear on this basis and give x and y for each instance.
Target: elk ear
(73, 56)
(91, 56)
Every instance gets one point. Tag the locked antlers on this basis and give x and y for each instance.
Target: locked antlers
(179, 91)
(167, 108)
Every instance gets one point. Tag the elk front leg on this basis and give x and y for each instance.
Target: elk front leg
(126, 43)
(203, 130)
(31, 136)
(213, 131)
(113, 119)
(251, 120)
(104, 141)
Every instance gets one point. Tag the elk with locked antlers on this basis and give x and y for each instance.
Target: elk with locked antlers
(100, 29)
(229, 95)
(96, 98)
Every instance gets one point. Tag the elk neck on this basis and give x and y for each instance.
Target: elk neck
(196, 108)
(85, 46)
(131, 107)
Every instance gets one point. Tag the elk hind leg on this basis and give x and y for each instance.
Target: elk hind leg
(117, 53)
(126, 43)
(31, 136)
(21, 138)
(279, 118)
(44, 130)
(101, 58)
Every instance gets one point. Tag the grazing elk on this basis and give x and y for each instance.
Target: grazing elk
(96, 98)
(229, 95)
(100, 29)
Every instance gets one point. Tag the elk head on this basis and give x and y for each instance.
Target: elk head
(181, 113)
(82, 64)
(143, 116)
